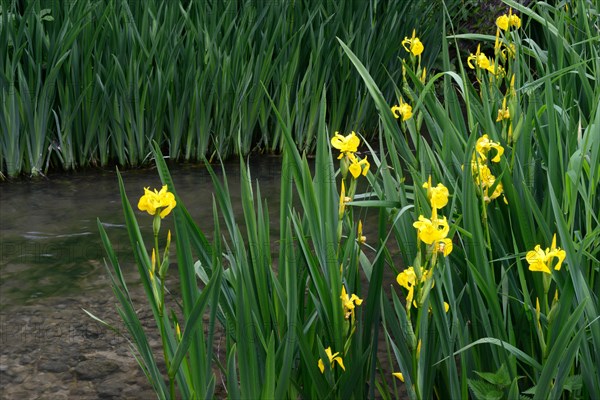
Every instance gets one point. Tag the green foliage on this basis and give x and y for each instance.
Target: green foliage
(88, 83)
(470, 316)
(492, 385)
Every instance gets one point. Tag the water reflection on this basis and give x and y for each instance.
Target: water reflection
(49, 242)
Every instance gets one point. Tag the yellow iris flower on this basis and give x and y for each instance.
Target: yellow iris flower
(408, 280)
(505, 22)
(480, 59)
(357, 167)
(157, 202)
(484, 145)
(438, 195)
(345, 144)
(541, 260)
(404, 110)
(332, 358)
(413, 45)
(349, 303)
(431, 230)
(502, 22)
(484, 178)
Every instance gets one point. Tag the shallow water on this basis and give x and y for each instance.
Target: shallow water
(49, 241)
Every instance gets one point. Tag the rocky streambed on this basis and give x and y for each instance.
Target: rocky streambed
(54, 350)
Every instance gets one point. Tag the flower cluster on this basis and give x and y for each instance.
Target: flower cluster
(348, 145)
(503, 48)
(541, 260)
(432, 231)
(415, 47)
(481, 172)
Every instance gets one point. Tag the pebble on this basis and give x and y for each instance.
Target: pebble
(54, 366)
(95, 369)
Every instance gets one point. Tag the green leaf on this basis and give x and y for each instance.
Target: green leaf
(500, 378)
(192, 323)
(484, 391)
(507, 346)
(268, 389)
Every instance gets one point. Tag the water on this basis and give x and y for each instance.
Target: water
(49, 241)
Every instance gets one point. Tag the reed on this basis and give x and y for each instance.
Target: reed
(91, 83)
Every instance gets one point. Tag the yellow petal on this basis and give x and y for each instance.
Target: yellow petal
(502, 22)
(356, 300)
(406, 42)
(438, 196)
(514, 21)
(399, 376)
(329, 354)
(472, 57)
(366, 165)
(416, 47)
(557, 253)
(355, 170)
(407, 278)
(344, 295)
(340, 362)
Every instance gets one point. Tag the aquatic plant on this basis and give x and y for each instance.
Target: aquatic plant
(93, 83)
(468, 314)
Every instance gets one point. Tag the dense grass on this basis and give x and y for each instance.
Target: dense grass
(95, 82)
